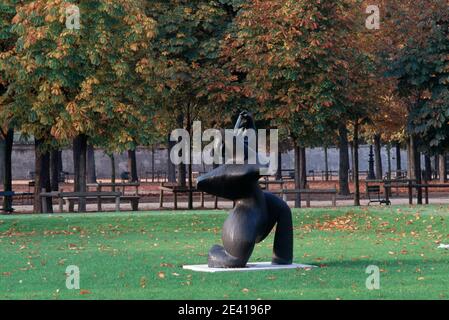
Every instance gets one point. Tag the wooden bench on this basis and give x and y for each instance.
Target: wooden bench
(133, 198)
(330, 175)
(375, 190)
(71, 197)
(7, 194)
(175, 190)
(308, 193)
(13, 194)
(155, 176)
(426, 187)
(265, 184)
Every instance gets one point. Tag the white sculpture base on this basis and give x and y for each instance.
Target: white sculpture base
(255, 266)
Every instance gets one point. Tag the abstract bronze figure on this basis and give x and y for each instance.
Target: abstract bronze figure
(255, 214)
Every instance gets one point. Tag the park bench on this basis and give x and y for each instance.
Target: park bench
(396, 183)
(133, 197)
(70, 197)
(362, 173)
(174, 189)
(155, 176)
(375, 191)
(266, 183)
(13, 195)
(7, 194)
(426, 187)
(309, 192)
(388, 187)
(330, 175)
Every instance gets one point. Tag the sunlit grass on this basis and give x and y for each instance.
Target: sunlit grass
(140, 256)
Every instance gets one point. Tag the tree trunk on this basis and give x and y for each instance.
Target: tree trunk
(91, 170)
(171, 168)
(189, 165)
(113, 173)
(2, 158)
(80, 164)
(279, 167)
(389, 162)
(418, 175)
(297, 175)
(442, 168)
(351, 160)
(303, 168)
(181, 167)
(42, 178)
(437, 168)
(60, 164)
(152, 162)
(54, 169)
(190, 180)
(415, 169)
(344, 161)
(428, 166)
(182, 176)
(7, 177)
(398, 159)
(356, 165)
(410, 159)
(326, 164)
(378, 156)
(132, 165)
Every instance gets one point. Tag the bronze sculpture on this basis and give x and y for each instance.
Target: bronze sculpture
(255, 214)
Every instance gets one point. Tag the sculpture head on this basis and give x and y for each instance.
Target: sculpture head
(245, 121)
(230, 181)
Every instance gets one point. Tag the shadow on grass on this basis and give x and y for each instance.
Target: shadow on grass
(404, 263)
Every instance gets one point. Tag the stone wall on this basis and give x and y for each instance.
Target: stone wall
(315, 159)
(23, 161)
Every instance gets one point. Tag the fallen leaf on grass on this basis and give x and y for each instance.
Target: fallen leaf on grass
(168, 265)
(340, 223)
(143, 282)
(307, 268)
(161, 275)
(83, 292)
(57, 232)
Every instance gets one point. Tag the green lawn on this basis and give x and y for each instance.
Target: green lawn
(140, 256)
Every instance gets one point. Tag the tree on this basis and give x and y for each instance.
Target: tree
(69, 85)
(7, 38)
(188, 47)
(420, 67)
(302, 69)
